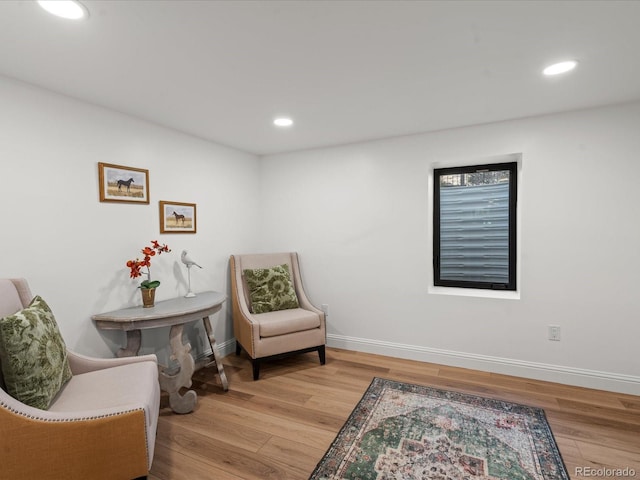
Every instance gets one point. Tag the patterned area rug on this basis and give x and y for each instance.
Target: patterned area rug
(402, 432)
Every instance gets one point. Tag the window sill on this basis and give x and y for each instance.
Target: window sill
(474, 292)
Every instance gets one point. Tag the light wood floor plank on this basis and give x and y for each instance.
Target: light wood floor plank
(248, 418)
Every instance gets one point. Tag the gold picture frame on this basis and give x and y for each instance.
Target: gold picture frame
(123, 184)
(177, 217)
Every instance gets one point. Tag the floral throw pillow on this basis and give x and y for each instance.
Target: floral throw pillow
(33, 355)
(270, 289)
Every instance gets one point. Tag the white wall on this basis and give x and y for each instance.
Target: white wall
(358, 215)
(73, 249)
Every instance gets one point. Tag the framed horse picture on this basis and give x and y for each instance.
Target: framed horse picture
(123, 184)
(177, 217)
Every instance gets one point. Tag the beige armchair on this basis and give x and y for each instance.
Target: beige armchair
(270, 335)
(101, 425)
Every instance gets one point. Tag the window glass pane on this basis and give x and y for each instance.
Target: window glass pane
(474, 227)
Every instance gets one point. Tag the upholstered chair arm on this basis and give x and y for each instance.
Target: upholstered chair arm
(83, 364)
(305, 303)
(246, 329)
(303, 300)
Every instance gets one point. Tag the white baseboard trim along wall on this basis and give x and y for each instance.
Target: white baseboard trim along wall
(613, 382)
(225, 348)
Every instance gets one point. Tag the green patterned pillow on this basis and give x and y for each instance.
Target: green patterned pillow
(270, 289)
(33, 355)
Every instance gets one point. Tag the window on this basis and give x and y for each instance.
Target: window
(474, 226)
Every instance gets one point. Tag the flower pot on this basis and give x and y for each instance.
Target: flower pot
(148, 297)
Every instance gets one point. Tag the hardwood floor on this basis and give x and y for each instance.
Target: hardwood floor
(279, 427)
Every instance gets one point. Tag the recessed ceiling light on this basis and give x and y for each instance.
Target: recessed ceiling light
(283, 122)
(70, 9)
(558, 68)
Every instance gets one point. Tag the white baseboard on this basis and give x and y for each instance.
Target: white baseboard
(224, 348)
(613, 382)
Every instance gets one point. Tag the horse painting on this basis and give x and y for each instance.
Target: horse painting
(125, 183)
(178, 217)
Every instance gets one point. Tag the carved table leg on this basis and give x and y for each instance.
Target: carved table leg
(216, 358)
(133, 344)
(172, 383)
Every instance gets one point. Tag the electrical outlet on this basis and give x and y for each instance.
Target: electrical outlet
(325, 308)
(554, 333)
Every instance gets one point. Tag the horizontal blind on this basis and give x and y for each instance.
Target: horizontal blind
(474, 233)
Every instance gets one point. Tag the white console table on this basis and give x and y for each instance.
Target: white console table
(175, 313)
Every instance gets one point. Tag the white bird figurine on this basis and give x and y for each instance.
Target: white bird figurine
(186, 259)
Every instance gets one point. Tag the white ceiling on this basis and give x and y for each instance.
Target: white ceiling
(345, 71)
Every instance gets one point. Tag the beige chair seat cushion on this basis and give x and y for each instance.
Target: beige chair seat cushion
(283, 322)
(133, 384)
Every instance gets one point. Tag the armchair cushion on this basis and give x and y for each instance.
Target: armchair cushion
(33, 355)
(113, 388)
(270, 289)
(287, 321)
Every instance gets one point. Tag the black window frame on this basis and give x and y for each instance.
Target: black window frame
(511, 284)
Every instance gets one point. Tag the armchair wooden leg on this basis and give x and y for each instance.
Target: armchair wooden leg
(321, 354)
(256, 369)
